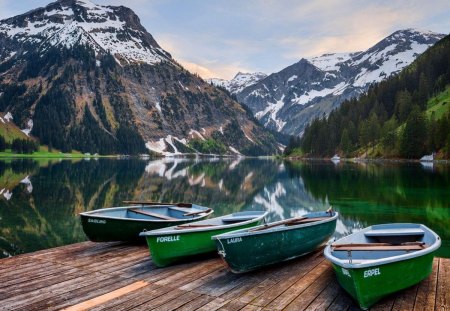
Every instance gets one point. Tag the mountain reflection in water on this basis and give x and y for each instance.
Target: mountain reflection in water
(40, 200)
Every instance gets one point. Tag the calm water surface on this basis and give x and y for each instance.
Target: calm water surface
(40, 200)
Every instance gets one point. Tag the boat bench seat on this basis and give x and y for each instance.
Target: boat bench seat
(395, 232)
(378, 247)
(142, 212)
(237, 218)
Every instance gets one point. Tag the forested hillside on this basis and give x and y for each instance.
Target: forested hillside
(407, 115)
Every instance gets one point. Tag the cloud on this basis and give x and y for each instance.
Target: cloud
(219, 38)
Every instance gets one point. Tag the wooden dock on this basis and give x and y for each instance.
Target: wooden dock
(115, 276)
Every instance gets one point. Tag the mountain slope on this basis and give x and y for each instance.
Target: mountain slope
(405, 116)
(240, 81)
(77, 69)
(288, 100)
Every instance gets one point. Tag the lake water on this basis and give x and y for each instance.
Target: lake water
(40, 200)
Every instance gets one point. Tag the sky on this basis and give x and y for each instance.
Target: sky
(218, 38)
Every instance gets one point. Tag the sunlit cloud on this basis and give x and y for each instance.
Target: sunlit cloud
(219, 38)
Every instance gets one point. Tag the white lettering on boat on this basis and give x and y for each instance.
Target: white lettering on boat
(372, 272)
(345, 272)
(234, 240)
(170, 238)
(97, 221)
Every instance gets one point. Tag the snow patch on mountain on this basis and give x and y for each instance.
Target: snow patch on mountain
(330, 62)
(239, 82)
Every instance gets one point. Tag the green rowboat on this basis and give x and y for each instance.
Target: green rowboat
(250, 249)
(174, 244)
(383, 259)
(125, 223)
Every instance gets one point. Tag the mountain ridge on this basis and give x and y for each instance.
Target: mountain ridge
(77, 69)
(288, 100)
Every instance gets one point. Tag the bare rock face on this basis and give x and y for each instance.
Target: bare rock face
(91, 78)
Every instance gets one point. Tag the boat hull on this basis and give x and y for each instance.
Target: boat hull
(370, 284)
(167, 249)
(249, 252)
(103, 229)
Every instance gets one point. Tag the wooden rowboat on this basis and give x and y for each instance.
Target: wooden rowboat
(177, 243)
(125, 223)
(383, 259)
(250, 249)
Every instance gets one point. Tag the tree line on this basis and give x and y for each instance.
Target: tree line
(391, 119)
(18, 145)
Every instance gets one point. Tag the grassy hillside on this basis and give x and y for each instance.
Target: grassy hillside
(9, 130)
(439, 105)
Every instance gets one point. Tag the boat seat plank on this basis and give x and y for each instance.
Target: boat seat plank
(139, 211)
(289, 222)
(194, 226)
(237, 218)
(395, 232)
(379, 247)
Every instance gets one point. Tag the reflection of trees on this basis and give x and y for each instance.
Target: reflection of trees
(48, 216)
(380, 193)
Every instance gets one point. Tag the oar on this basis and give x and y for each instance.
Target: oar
(158, 203)
(193, 226)
(279, 223)
(196, 213)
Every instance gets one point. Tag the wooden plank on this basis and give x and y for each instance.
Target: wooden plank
(177, 302)
(368, 247)
(39, 282)
(106, 297)
(326, 297)
(196, 303)
(213, 305)
(234, 305)
(289, 290)
(181, 204)
(310, 293)
(342, 302)
(78, 295)
(155, 215)
(426, 293)
(134, 300)
(443, 285)
(51, 289)
(251, 308)
(292, 272)
(204, 279)
(405, 299)
(43, 283)
(384, 304)
(154, 303)
(179, 278)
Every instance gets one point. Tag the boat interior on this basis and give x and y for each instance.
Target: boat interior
(156, 212)
(382, 242)
(305, 219)
(224, 220)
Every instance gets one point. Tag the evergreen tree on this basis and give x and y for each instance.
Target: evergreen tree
(345, 142)
(414, 137)
(2, 143)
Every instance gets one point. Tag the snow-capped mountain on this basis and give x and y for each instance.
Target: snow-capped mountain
(288, 100)
(241, 81)
(103, 28)
(76, 69)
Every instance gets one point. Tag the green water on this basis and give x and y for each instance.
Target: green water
(40, 200)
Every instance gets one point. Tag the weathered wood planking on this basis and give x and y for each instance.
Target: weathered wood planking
(119, 276)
